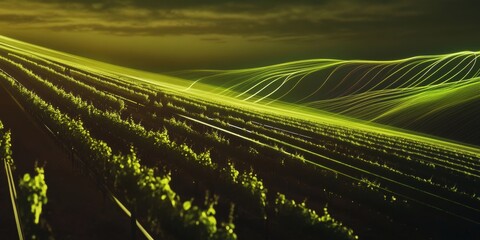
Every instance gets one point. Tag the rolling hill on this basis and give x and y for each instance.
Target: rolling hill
(292, 151)
(436, 95)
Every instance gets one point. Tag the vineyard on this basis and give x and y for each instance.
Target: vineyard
(172, 162)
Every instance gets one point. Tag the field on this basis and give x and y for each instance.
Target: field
(264, 153)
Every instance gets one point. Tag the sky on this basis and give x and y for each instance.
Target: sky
(169, 35)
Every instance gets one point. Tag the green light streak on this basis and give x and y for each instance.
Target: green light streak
(389, 87)
(395, 93)
(349, 175)
(220, 86)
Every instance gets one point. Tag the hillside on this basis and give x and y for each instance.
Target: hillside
(126, 154)
(425, 93)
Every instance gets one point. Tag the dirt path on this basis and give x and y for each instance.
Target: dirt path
(75, 209)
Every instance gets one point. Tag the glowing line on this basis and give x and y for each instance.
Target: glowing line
(349, 166)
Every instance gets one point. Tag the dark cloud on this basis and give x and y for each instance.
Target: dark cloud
(272, 18)
(367, 28)
(19, 18)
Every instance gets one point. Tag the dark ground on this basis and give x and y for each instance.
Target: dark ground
(75, 208)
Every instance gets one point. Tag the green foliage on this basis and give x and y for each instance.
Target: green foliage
(217, 137)
(34, 190)
(187, 104)
(99, 98)
(127, 174)
(204, 223)
(6, 146)
(371, 150)
(372, 185)
(249, 187)
(138, 183)
(255, 185)
(187, 129)
(305, 223)
(111, 87)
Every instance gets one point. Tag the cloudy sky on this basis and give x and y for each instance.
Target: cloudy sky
(165, 35)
